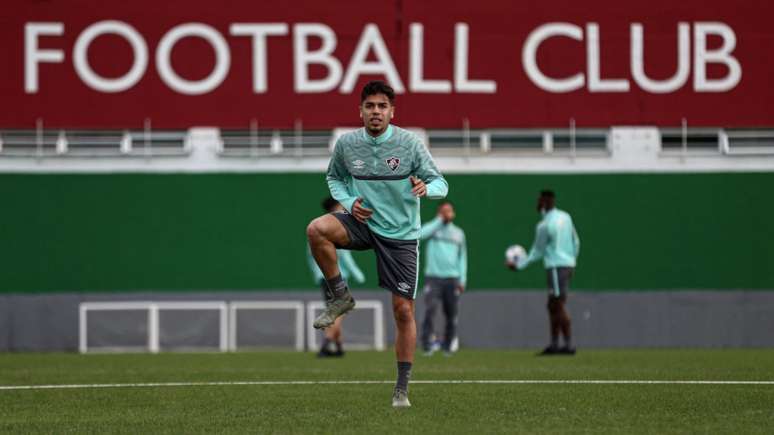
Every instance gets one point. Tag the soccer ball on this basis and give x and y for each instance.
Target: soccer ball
(513, 253)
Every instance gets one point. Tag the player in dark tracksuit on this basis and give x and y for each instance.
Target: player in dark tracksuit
(446, 270)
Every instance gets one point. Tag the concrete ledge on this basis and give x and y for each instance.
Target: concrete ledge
(488, 319)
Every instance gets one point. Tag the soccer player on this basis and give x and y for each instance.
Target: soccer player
(446, 274)
(378, 173)
(557, 242)
(349, 269)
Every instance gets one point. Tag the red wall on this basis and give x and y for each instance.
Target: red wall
(498, 30)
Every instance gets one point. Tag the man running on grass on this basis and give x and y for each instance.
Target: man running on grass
(378, 173)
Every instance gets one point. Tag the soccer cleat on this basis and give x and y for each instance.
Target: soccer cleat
(567, 350)
(550, 350)
(400, 399)
(334, 309)
(432, 347)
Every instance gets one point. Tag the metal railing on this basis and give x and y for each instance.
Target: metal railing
(685, 141)
(747, 142)
(54, 143)
(254, 142)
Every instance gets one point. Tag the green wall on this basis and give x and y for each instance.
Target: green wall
(246, 231)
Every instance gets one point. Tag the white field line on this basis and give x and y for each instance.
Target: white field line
(423, 382)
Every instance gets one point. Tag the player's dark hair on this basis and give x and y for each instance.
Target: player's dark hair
(329, 203)
(377, 87)
(443, 203)
(547, 194)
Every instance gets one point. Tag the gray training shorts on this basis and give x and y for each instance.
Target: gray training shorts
(558, 280)
(396, 260)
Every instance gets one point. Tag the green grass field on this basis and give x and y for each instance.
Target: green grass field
(365, 408)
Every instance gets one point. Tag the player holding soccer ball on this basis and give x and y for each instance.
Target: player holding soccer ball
(557, 242)
(378, 173)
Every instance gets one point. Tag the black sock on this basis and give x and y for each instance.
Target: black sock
(567, 342)
(339, 347)
(554, 341)
(404, 373)
(324, 346)
(337, 286)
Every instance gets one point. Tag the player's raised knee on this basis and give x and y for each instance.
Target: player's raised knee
(314, 231)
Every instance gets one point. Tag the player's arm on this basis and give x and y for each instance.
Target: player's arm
(538, 247)
(428, 180)
(575, 241)
(429, 228)
(348, 263)
(463, 264)
(338, 178)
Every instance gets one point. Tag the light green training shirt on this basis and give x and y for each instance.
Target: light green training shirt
(446, 252)
(556, 241)
(377, 169)
(347, 266)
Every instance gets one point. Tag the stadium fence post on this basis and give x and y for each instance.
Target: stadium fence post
(572, 140)
(253, 138)
(39, 138)
(466, 138)
(153, 328)
(82, 339)
(147, 137)
(298, 127)
(685, 140)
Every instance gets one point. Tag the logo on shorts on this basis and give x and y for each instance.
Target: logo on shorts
(393, 163)
(403, 287)
(358, 164)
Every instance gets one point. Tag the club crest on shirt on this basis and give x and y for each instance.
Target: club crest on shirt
(393, 163)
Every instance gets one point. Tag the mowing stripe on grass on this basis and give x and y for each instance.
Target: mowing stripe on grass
(424, 382)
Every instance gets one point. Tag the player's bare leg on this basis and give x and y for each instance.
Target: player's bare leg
(334, 334)
(332, 337)
(405, 345)
(565, 328)
(324, 233)
(554, 307)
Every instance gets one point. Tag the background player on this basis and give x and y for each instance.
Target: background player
(557, 242)
(446, 270)
(349, 269)
(378, 173)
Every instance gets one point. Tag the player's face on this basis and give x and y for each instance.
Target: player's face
(447, 212)
(376, 113)
(541, 204)
(544, 204)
